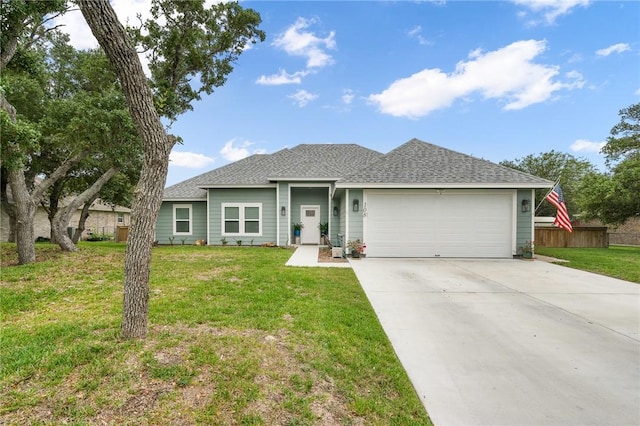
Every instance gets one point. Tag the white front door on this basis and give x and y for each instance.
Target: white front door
(310, 233)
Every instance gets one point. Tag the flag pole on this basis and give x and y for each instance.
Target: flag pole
(547, 194)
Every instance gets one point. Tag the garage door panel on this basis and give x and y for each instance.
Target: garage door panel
(425, 224)
(401, 225)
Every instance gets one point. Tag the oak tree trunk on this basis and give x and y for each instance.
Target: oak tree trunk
(84, 214)
(25, 210)
(52, 209)
(26, 205)
(156, 148)
(60, 221)
(10, 210)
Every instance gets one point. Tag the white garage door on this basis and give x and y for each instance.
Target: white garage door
(427, 224)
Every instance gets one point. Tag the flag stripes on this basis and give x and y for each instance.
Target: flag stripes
(562, 216)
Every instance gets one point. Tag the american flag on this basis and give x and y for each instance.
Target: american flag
(562, 217)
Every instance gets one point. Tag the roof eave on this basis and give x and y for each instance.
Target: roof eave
(183, 199)
(237, 186)
(506, 185)
(304, 179)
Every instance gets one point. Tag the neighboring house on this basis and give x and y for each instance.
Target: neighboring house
(626, 234)
(103, 220)
(419, 200)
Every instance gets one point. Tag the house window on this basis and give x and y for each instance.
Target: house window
(242, 219)
(120, 217)
(182, 217)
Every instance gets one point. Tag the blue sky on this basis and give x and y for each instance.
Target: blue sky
(497, 80)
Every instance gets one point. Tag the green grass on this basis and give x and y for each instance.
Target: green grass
(616, 261)
(235, 338)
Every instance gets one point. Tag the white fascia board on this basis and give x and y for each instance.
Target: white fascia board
(267, 185)
(443, 185)
(294, 179)
(184, 199)
(310, 185)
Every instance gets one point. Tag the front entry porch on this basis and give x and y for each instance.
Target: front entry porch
(310, 208)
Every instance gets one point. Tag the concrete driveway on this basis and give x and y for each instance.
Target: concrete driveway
(511, 342)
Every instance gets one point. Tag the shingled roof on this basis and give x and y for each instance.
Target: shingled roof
(306, 161)
(420, 163)
(415, 163)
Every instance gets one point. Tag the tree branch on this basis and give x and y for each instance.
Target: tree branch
(41, 188)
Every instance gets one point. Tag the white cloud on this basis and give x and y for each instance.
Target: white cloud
(615, 48)
(81, 36)
(550, 9)
(587, 146)
(234, 150)
(508, 74)
(80, 33)
(190, 160)
(298, 42)
(281, 78)
(347, 96)
(302, 97)
(637, 92)
(416, 33)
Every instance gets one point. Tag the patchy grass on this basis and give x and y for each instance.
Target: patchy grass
(235, 338)
(616, 261)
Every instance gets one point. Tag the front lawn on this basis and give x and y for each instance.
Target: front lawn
(616, 261)
(235, 338)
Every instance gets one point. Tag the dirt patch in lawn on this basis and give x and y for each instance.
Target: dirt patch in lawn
(324, 256)
(188, 375)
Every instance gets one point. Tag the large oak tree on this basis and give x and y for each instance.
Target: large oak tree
(195, 42)
(22, 25)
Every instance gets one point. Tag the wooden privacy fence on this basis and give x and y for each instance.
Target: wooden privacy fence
(582, 236)
(122, 232)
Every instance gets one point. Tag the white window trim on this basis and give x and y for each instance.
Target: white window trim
(241, 219)
(183, 206)
(120, 217)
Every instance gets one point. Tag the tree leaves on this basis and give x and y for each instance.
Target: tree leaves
(186, 41)
(625, 136)
(553, 165)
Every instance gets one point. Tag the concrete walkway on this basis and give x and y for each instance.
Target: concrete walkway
(307, 255)
(509, 342)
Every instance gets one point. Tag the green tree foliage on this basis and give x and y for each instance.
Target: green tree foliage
(615, 196)
(191, 48)
(87, 112)
(21, 24)
(72, 102)
(624, 141)
(553, 165)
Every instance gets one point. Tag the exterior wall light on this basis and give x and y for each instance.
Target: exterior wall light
(283, 211)
(526, 206)
(336, 211)
(356, 205)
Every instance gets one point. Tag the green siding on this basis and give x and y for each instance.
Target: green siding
(342, 225)
(524, 219)
(164, 224)
(303, 196)
(355, 218)
(285, 225)
(336, 223)
(266, 196)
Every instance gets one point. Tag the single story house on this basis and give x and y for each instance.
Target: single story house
(104, 219)
(419, 200)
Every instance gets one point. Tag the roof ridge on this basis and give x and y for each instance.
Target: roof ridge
(405, 164)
